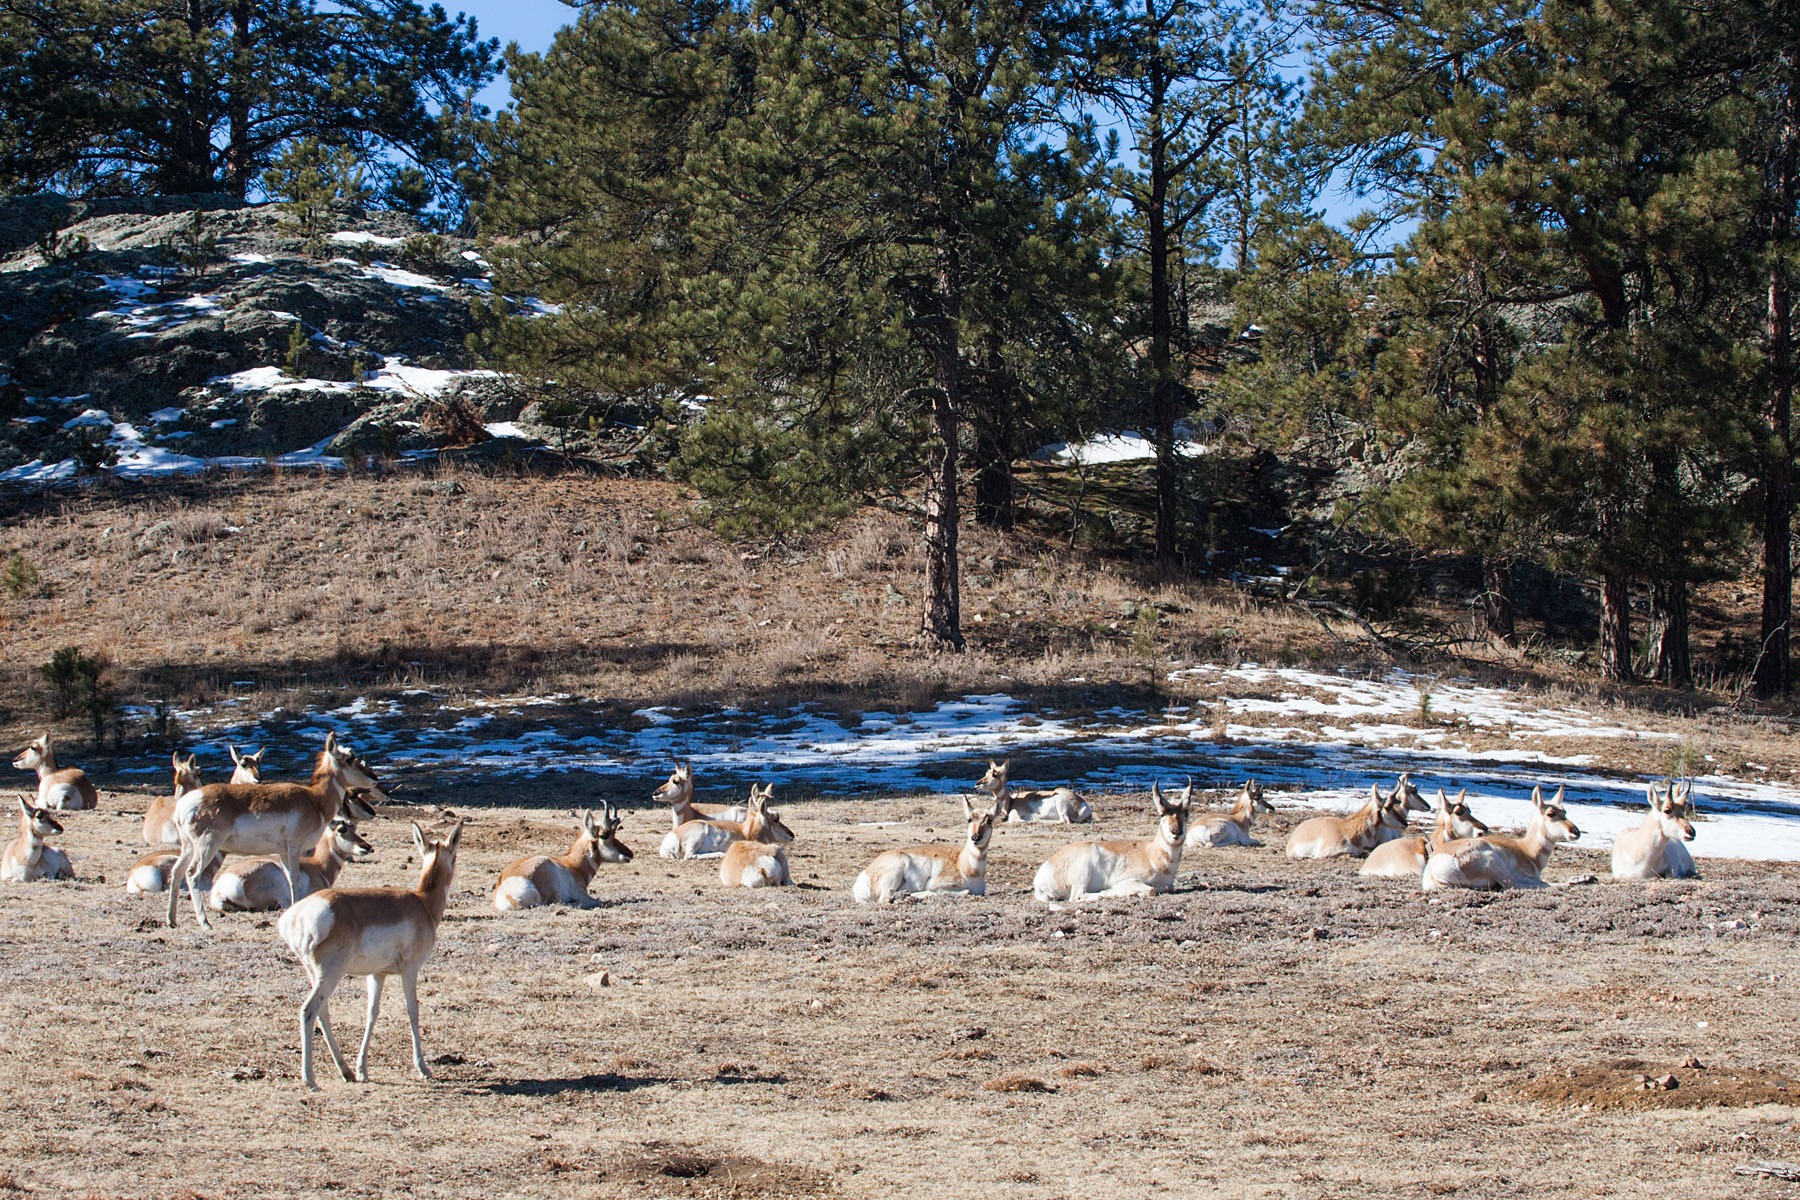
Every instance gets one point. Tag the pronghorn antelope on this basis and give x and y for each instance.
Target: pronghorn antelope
(1654, 849)
(67, 788)
(1062, 804)
(1232, 828)
(151, 872)
(1382, 819)
(932, 870)
(268, 818)
(1404, 858)
(1089, 869)
(679, 792)
(758, 859)
(26, 858)
(257, 885)
(544, 879)
(375, 932)
(708, 839)
(159, 820)
(1496, 861)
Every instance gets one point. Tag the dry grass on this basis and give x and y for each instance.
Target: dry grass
(787, 1044)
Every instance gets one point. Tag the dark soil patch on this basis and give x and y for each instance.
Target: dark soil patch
(1619, 1084)
(659, 1169)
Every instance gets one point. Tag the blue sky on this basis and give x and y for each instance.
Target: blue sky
(531, 23)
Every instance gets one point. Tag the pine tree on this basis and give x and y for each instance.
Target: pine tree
(111, 96)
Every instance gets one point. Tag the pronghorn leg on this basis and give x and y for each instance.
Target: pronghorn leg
(290, 867)
(324, 1019)
(177, 872)
(201, 853)
(409, 984)
(317, 1010)
(362, 1054)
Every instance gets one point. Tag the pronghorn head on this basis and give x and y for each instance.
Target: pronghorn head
(246, 768)
(994, 782)
(1457, 814)
(1391, 809)
(1671, 810)
(351, 771)
(437, 854)
(36, 755)
(759, 813)
(1557, 826)
(1251, 793)
(603, 832)
(346, 843)
(37, 821)
(1171, 815)
(1405, 786)
(187, 775)
(981, 823)
(680, 786)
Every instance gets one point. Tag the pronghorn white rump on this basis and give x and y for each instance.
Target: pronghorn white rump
(375, 932)
(1497, 861)
(932, 870)
(1654, 850)
(283, 819)
(1060, 804)
(1089, 869)
(564, 879)
(28, 858)
(66, 788)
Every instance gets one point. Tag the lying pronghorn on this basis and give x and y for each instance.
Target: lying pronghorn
(255, 885)
(1496, 861)
(709, 838)
(1404, 858)
(68, 788)
(26, 858)
(1382, 819)
(544, 879)
(375, 932)
(268, 818)
(1232, 828)
(1654, 849)
(1088, 869)
(934, 870)
(1062, 804)
(679, 792)
(151, 872)
(758, 859)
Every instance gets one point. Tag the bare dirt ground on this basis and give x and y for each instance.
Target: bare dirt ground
(1274, 1028)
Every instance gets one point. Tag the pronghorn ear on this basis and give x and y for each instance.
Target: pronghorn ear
(331, 741)
(1537, 796)
(455, 836)
(257, 757)
(175, 759)
(1462, 796)
(1375, 793)
(968, 809)
(419, 838)
(1558, 798)
(24, 807)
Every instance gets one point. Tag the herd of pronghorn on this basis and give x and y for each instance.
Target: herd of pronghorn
(382, 932)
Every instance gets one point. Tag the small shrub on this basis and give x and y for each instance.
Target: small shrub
(60, 249)
(293, 363)
(311, 177)
(20, 578)
(455, 420)
(91, 451)
(424, 251)
(81, 683)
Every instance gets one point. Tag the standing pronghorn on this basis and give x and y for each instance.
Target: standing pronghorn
(67, 788)
(1382, 819)
(375, 932)
(1654, 849)
(1060, 804)
(679, 792)
(1088, 869)
(933, 870)
(257, 885)
(26, 858)
(544, 879)
(1496, 861)
(1232, 828)
(1404, 858)
(758, 859)
(267, 818)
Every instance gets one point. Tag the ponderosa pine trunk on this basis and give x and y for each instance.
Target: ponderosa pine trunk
(1615, 627)
(237, 150)
(1774, 672)
(1669, 657)
(942, 621)
(1497, 612)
